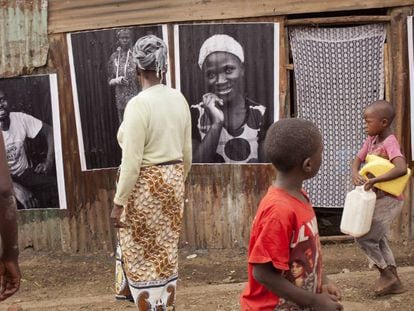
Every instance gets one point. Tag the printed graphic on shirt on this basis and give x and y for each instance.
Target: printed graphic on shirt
(14, 153)
(304, 263)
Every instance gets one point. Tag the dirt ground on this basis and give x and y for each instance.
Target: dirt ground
(211, 281)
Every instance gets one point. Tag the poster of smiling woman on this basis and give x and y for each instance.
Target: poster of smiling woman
(229, 74)
(29, 120)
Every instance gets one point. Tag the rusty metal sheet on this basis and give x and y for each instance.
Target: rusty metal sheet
(221, 202)
(23, 36)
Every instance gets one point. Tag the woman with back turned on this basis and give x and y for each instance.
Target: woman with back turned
(155, 137)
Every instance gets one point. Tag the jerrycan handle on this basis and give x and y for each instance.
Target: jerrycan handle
(362, 189)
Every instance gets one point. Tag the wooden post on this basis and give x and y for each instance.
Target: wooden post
(400, 99)
(283, 72)
(387, 88)
(336, 239)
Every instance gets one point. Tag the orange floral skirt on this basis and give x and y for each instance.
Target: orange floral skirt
(149, 241)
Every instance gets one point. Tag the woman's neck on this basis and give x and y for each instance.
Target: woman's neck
(149, 81)
(236, 102)
(235, 113)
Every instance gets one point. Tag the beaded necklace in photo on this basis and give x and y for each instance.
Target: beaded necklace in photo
(118, 59)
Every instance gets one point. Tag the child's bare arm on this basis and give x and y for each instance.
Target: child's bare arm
(273, 280)
(399, 169)
(357, 179)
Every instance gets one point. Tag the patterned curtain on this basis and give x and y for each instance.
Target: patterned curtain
(338, 71)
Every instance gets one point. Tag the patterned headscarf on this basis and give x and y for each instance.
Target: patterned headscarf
(150, 53)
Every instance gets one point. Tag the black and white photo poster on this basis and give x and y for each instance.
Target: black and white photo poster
(29, 120)
(229, 74)
(104, 79)
(410, 32)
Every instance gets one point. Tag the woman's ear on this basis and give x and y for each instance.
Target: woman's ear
(307, 165)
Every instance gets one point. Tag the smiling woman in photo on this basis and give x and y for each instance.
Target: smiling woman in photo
(229, 123)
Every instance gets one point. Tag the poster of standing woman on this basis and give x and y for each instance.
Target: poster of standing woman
(229, 74)
(104, 79)
(29, 120)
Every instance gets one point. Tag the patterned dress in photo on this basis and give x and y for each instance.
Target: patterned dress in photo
(240, 147)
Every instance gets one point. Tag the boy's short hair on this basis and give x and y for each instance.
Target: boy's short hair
(289, 142)
(383, 109)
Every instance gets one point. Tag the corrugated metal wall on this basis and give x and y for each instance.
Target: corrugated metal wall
(23, 36)
(221, 199)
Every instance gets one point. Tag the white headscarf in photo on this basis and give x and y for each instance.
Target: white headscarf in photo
(220, 43)
(150, 53)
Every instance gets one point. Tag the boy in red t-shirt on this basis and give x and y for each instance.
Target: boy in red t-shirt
(285, 263)
(381, 142)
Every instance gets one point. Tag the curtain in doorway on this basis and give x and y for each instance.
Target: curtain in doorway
(338, 71)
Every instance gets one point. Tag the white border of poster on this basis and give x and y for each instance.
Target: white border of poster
(60, 173)
(76, 97)
(76, 105)
(276, 60)
(410, 34)
(54, 118)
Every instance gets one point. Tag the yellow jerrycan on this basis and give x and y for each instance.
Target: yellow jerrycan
(377, 166)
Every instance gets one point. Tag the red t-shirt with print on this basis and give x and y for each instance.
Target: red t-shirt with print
(285, 233)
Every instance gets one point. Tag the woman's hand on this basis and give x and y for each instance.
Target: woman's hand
(116, 81)
(124, 81)
(116, 216)
(210, 102)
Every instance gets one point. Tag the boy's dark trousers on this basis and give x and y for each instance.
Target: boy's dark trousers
(374, 243)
